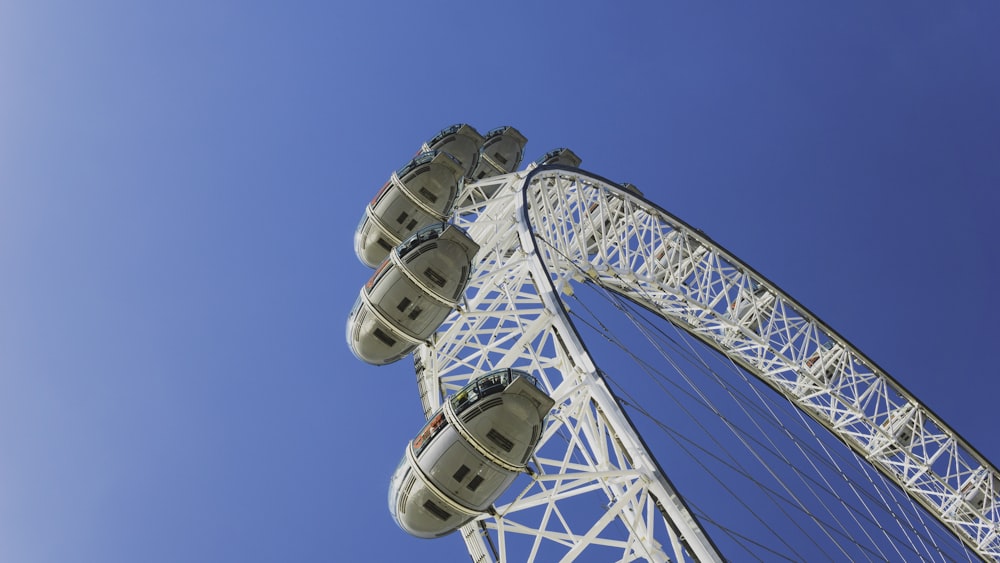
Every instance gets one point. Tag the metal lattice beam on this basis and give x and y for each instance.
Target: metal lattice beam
(543, 230)
(589, 450)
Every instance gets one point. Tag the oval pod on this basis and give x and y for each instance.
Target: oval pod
(417, 195)
(501, 152)
(468, 453)
(411, 294)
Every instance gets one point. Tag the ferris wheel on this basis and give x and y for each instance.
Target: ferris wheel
(479, 267)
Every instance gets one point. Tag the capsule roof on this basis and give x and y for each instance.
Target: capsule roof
(501, 152)
(468, 453)
(425, 157)
(461, 141)
(629, 187)
(561, 156)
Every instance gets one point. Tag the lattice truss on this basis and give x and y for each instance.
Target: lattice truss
(579, 228)
(625, 244)
(592, 487)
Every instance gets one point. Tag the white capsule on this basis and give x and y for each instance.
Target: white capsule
(501, 152)
(468, 453)
(419, 194)
(411, 294)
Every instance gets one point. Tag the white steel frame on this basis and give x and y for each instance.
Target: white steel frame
(542, 229)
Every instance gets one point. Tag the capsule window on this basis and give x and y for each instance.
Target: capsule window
(429, 431)
(404, 304)
(436, 510)
(402, 217)
(499, 158)
(381, 242)
(435, 277)
(427, 194)
(461, 473)
(474, 483)
(415, 313)
(385, 338)
(500, 440)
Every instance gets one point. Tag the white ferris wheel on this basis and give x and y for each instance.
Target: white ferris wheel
(824, 454)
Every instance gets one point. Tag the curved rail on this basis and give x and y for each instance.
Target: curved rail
(543, 230)
(586, 226)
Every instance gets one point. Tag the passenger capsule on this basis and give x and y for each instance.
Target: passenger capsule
(827, 363)
(501, 152)
(468, 453)
(561, 156)
(631, 188)
(419, 194)
(411, 294)
(980, 494)
(460, 141)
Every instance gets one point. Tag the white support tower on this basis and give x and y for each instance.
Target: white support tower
(545, 228)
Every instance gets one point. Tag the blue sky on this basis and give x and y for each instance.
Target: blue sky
(180, 183)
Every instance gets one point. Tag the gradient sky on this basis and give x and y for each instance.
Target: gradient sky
(180, 183)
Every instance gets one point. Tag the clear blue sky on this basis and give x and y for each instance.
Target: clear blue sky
(180, 183)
